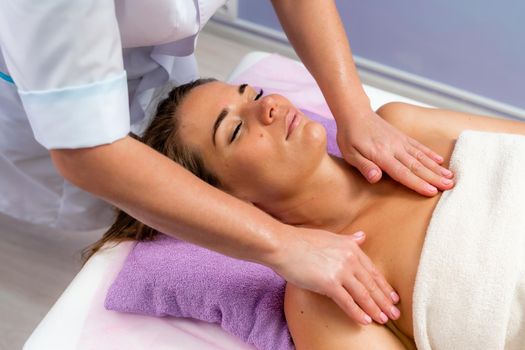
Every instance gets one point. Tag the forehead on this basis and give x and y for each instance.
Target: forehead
(201, 107)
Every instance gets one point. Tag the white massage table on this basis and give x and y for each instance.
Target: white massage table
(78, 319)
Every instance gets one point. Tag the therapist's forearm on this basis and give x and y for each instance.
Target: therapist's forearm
(315, 31)
(163, 195)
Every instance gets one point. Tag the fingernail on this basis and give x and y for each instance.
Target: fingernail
(395, 297)
(446, 172)
(372, 174)
(367, 319)
(383, 317)
(395, 312)
(439, 158)
(431, 188)
(359, 234)
(445, 181)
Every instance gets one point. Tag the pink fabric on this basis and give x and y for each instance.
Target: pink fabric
(280, 75)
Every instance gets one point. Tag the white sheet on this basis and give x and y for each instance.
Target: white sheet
(78, 319)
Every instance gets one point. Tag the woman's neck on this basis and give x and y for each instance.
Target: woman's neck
(332, 198)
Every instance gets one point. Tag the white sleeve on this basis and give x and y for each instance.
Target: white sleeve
(65, 56)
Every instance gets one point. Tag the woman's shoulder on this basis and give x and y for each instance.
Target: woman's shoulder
(316, 322)
(434, 128)
(438, 129)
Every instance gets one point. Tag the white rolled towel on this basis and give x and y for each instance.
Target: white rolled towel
(470, 285)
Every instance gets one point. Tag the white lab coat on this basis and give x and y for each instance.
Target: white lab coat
(79, 74)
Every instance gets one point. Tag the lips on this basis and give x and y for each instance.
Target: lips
(292, 120)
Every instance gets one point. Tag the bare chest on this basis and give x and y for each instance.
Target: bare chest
(396, 228)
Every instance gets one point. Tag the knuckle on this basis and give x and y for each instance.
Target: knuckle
(372, 286)
(374, 154)
(420, 156)
(371, 306)
(379, 149)
(350, 257)
(375, 273)
(401, 172)
(349, 254)
(364, 295)
(351, 153)
(376, 276)
(381, 146)
(415, 167)
(375, 290)
(331, 282)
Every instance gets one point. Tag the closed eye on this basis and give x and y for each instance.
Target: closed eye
(238, 127)
(258, 95)
(235, 132)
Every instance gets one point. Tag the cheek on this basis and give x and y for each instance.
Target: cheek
(255, 165)
(264, 168)
(256, 159)
(264, 159)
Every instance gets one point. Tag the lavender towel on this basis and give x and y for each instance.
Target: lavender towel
(168, 277)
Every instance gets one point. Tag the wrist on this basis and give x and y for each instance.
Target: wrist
(282, 239)
(350, 114)
(350, 120)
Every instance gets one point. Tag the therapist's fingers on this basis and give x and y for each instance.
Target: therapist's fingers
(382, 293)
(349, 306)
(433, 155)
(404, 175)
(427, 162)
(390, 294)
(364, 297)
(432, 160)
(365, 166)
(430, 181)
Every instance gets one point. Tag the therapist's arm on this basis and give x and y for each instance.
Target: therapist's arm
(66, 60)
(365, 139)
(165, 196)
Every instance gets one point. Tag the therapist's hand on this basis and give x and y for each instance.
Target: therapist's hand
(370, 143)
(335, 266)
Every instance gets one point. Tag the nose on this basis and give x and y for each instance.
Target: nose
(267, 109)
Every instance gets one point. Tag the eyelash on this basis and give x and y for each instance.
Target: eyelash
(235, 132)
(237, 128)
(259, 95)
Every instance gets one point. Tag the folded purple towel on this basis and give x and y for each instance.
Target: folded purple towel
(168, 277)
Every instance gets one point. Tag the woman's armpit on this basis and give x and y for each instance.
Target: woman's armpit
(316, 322)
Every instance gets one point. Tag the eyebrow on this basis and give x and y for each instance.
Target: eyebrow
(224, 113)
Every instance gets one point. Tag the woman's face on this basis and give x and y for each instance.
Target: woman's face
(261, 148)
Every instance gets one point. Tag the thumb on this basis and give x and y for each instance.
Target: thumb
(367, 168)
(359, 237)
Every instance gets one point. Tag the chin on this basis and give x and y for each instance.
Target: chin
(315, 136)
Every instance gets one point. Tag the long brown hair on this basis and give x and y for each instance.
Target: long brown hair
(161, 135)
